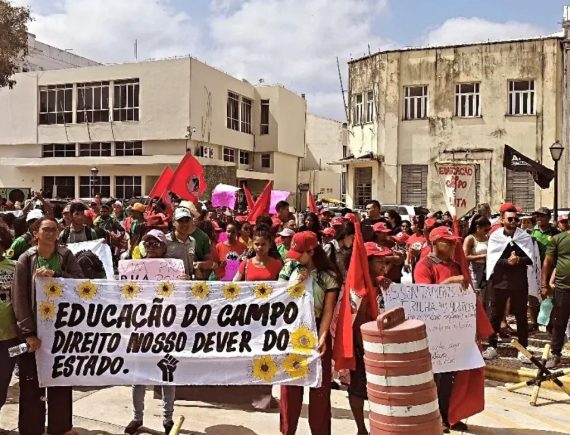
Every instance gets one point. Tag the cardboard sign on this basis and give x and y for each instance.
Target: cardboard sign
(107, 332)
(458, 187)
(151, 269)
(100, 249)
(449, 314)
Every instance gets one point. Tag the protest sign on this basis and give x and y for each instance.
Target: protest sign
(276, 196)
(224, 195)
(151, 269)
(107, 332)
(458, 187)
(100, 249)
(449, 314)
(232, 267)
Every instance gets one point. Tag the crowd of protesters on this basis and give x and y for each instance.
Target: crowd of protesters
(514, 261)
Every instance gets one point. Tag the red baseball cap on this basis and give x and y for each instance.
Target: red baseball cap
(381, 227)
(430, 223)
(444, 233)
(329, 232)
(337, 221)
(401, 238)
(373, 250)
(508, 206)
(301, 243)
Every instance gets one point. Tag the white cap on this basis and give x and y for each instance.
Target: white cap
(181, 213)
(287, 232)
(36, 213)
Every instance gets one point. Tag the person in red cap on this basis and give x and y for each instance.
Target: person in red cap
(309, 261)
(378, 266)
(505, 207)
(337, 222)
(328, 235)
(439, 268)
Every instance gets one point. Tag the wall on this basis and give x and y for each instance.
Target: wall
(324, 144)
(42, 57)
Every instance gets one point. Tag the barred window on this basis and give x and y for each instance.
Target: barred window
(521, 97)
(123, 149)
(415, 102)
(93, 102)
(91, 186)
(95, 149)
(56, 104)
(467, 100)
(229, 155)
(58, 150)
(126, 100)
(127, 187)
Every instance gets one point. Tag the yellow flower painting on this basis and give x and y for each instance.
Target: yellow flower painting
(47, 310)
(201, 290)
(264, 368)
(87, 290)
(53, 290)
(130, 290)
(296, 366)
(262, 291)
(231, 291)
(303, 340)
(165, 289)
(297, 291)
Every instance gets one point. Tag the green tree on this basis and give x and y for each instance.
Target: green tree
(13, 40)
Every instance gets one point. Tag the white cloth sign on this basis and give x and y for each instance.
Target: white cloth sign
(100, 249)
(458, 186)
(449, 314)
(105, 332)
(151, 269)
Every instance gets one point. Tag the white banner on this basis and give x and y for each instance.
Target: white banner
(151, 268)
(458, 187)
(99, 248)
(105, 332)
(449, 314)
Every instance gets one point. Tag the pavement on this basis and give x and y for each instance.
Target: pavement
(108, 410)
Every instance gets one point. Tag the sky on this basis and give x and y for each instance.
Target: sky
(291, 42)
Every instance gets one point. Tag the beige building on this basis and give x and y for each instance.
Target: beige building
(412, 108)
(326, 141)
(128, 121)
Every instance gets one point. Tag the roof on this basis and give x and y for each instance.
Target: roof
(367, 157)
(558, 35)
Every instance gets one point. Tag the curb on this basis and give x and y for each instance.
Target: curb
(514, 376)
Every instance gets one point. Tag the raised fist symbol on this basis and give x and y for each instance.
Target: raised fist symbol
(168, 366)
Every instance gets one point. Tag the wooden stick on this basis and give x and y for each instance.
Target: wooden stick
(177, 426)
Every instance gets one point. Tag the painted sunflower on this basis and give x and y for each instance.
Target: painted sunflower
(231, 291)
(297, 366)
(297, 291)
(87, 290)
(47, 310)
(165, 288)
(262, 291)
(303, 340)
(53, 289)
(264, 368)
(201, 289)
(130, 290)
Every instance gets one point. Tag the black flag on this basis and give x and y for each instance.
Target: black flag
(518, 162)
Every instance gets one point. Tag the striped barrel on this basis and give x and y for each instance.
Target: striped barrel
(401, 389)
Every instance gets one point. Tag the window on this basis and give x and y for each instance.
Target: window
(362, 186)
(229, 155)
(266, 161)
(358, 110)
(58, 150)
(415, 102)
(244, 157)
(206, 152)
(91, 186)
(467, 100)
(58, 187)
(123, 149)
(245, 115)
(128, 187)
(126, 100)
(520, 189)
(56, 104)
(95, 149)
(264, 126)
(521, 97)
(93, 102)
(370, 106)
(233, 111)
(414, 184)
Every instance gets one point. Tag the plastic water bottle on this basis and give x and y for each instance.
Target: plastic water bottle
(18, 350)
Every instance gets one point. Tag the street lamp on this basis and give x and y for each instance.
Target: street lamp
(556, 150)
(93, 180)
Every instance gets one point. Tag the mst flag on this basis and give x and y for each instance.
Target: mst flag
(518, 162)
(188, 180)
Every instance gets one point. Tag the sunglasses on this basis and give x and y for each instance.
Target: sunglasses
(152, 244)
(513, 219)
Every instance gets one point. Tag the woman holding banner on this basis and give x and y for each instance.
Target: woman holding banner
(47, 259)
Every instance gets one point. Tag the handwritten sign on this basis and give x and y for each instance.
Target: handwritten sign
(449, 314)
(151, 269)
(108, 332)
(458, 185)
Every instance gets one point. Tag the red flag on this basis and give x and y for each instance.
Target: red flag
(188, 180)
(312, 204)
(160, 188)
(357, 280)
(261, 206)
(248, 197)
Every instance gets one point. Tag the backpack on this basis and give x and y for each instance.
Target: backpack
(67, 232)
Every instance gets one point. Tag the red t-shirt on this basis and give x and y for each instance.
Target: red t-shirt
(414, 238)
(431, 270)
(223, 252)
(268, 273)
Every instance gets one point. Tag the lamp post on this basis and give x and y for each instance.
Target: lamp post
(93, 180)
(556, 150)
